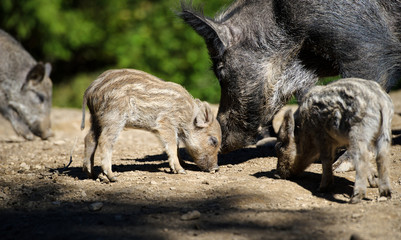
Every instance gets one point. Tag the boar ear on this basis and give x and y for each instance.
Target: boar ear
(204, 115)
(36, 74)
(217, 36)
(286, 131)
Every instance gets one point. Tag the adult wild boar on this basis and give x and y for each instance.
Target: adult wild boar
(265, 51)
(25, 90)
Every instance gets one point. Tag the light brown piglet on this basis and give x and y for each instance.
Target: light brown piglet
(134, 99)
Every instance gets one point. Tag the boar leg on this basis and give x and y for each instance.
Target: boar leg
(359, 152)
(107, 138)
(383, 145)
(90, 148)
(327, 152)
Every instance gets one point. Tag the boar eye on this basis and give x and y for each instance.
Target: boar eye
(38, 97)
(213, 141)
(219, 71)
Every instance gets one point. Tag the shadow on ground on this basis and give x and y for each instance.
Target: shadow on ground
(311, 181)
(141, 219)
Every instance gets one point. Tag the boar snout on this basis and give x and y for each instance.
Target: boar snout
(236, 133)
(232, 140)
(42, 128)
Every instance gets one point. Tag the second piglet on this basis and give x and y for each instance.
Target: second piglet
(135, 99)
(352, 113)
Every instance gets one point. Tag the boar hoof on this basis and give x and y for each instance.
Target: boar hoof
(181, 171)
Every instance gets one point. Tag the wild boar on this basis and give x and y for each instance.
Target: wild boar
(351, 113)
(135, 99)
(265, 51)
(25, 90)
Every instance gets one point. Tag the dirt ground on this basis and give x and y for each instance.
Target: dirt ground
(39, 199)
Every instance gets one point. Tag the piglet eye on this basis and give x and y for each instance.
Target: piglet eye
(213, 141)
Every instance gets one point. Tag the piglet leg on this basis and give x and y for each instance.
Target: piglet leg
(89, 157)
(107, 138)
(169, 140)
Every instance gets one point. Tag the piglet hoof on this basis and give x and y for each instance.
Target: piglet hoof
(214, 169)
(103, 178)
(343, 165)
(386, 192)
(373, 181)
(112, 179)
(107, 179)
(88, 173)
(356, 198)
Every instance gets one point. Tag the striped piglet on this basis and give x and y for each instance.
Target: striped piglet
(351, 113)
(135, 99)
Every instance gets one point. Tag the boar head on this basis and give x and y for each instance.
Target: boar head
(27, 107)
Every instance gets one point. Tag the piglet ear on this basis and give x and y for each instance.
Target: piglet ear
(286, 131)
(37, 73)
(204, 115)
(48, 69)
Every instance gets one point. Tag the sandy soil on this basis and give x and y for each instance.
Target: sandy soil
(39, 199)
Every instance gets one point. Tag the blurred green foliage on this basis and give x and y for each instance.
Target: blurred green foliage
(84, 38)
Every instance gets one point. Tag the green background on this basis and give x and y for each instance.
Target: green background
(84, 38)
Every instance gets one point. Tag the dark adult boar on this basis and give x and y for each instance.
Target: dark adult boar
(265, 51)
(25, 90)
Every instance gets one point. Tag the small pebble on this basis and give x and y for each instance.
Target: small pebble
(191, 215)
(356, 215)
(3, 196)
(382, 199)
(95, 206)
(37, 167)
(59, 142)
(24, 166)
